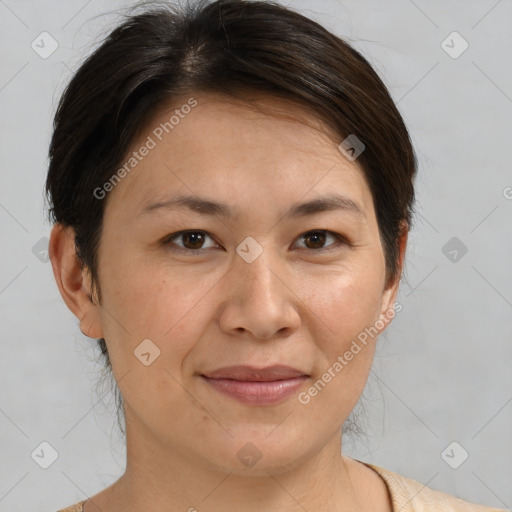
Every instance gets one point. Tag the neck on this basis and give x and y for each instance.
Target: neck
(161, 479)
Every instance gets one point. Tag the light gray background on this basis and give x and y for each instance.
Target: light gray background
(442, 372)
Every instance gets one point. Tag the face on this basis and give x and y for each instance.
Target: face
(258, 281)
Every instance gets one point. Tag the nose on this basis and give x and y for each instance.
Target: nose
(259, 300)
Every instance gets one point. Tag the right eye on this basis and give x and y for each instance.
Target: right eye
(192, 240)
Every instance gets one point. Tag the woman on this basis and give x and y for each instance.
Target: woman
(232, 190)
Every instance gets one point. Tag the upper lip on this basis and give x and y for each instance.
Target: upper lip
(251, 373)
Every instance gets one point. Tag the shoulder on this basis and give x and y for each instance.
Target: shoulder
(408, 495)
(77, 507)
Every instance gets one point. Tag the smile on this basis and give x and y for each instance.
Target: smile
(257, 392)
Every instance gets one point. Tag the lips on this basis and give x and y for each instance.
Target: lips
(252, 374)
(256, 386)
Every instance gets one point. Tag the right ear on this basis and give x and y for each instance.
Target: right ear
(74, 283)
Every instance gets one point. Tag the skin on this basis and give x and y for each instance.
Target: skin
(293, 305)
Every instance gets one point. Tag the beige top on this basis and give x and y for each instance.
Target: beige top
(407, 495)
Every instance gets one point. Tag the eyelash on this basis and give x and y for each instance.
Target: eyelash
(341, 240)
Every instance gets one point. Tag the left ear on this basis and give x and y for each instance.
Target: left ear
(387, 311)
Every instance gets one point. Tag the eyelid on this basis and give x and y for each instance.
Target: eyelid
(341, 240)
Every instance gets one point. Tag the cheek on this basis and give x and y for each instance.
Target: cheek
(345, 303)
(144, 302)
(345, 308)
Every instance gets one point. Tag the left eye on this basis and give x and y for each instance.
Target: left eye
(320, 236)
(193, 240)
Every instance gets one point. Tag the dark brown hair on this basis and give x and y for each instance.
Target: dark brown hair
(223, 46)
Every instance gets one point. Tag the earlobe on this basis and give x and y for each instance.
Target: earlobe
(72, 281)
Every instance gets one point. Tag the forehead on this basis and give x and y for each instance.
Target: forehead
(223, 145)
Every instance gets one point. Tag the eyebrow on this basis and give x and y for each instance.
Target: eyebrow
(216, 209)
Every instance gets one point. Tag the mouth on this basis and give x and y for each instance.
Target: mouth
(256, 386)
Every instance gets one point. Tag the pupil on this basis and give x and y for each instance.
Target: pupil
(320, 237)
(196, 239)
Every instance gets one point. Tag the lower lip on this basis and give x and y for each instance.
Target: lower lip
(257, 393)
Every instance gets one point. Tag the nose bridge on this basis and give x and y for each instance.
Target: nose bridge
(259, 276)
